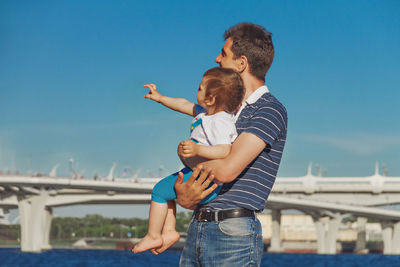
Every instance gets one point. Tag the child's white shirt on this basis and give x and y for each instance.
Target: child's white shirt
(216, 129)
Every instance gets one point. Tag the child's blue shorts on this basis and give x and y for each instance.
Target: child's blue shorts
(164, 190)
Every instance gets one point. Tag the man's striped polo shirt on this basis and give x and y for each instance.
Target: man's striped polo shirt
(264, 116)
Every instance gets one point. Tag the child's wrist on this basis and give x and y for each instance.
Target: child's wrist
(196, 149)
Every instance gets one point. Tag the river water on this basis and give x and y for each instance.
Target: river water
(13, 257)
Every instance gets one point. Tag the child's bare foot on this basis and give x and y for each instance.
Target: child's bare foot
(169, 238)
(147, 243)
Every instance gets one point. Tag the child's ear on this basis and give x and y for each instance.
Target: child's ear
(210, 100)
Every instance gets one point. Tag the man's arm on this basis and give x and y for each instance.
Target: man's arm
(178, 104)
(244, 150)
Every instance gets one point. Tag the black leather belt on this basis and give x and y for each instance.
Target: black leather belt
(220, 215)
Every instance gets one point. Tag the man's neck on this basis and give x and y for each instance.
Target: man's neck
(251, 84)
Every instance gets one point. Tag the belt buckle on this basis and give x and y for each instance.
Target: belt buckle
(203, 213)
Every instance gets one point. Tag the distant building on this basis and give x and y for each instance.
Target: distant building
(298, 233)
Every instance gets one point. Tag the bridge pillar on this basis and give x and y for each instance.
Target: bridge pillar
(333, 232)
(327, 229)
(321, 234)
(361, 244)
(276, 245)
(46, 227)
(35, 222)
(387, 233)
(391, 238)
(396, 239)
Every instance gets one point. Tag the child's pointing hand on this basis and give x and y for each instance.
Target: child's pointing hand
(153, 94)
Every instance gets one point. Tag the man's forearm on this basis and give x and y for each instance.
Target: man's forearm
(193, 161)
(244, 150)
(214, 165)
(213, 152)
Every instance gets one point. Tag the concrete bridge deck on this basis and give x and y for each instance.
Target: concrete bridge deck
(327, 199)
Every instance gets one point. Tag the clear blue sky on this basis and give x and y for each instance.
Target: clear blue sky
(71, 77)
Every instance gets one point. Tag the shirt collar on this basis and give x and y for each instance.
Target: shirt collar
(252, 99)
(256, 95)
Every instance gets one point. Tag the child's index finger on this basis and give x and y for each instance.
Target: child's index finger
(151, 86)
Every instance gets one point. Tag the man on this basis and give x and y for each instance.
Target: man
(225, 232)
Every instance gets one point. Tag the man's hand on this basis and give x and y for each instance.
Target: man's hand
(153, 94)
(188, 149)
(190, 193)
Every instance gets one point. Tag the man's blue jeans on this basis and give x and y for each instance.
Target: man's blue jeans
(231, 242)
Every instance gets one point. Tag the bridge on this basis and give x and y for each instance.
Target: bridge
(327, 199)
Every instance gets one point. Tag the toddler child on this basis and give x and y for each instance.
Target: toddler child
(212, 132)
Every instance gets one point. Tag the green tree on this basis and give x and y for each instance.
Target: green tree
(94, 225)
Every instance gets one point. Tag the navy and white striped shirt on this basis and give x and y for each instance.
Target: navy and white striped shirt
(266, 118)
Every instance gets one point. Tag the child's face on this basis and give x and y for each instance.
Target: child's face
(201, 95)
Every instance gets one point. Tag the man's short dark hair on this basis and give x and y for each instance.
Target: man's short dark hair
(253, 42)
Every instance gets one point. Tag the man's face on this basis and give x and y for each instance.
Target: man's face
(225, 58)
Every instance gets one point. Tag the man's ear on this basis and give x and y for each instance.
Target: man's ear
(210, 100)
(242, 64)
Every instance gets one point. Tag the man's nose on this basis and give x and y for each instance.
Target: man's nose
(218, 59)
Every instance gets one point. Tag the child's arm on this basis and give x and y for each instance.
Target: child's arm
(178, 104)
(191, 149)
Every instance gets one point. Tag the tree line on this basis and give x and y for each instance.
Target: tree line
(94, 225)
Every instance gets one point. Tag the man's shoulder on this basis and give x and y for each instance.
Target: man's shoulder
(268, 102)
(269, 99)
(266, 115)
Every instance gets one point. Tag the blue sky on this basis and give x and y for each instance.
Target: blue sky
(71, 77)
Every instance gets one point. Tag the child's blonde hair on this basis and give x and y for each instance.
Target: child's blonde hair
(226, 86)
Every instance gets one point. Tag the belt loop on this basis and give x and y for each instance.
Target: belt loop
(216, 216)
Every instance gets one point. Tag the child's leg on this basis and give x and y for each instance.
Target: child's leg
(162, 192)
(153, 239)
(169, 234)
(164, 189)
(170, 220)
